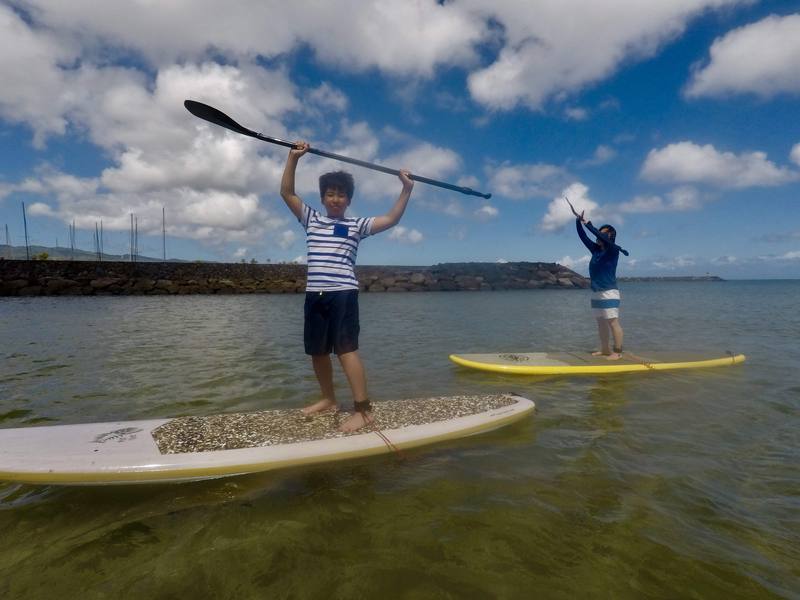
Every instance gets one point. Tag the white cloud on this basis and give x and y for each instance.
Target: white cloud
(397, 37)
(212, 216)
(795, 154)
(602, 155)
(405, 236)
(207, 177)
(680, 199)
(435, 203)
(40, 209)
(574, 263)
(240, 253)
(558, 211)
(684, 198)
(286, 238)
(32, 86)
(327, 96)
(421, 158)
(791, 255)
(687, 162)
(761, 58)
(553, 49)
(677, 262)
(521, 182)
(486, 212)
(725, 260)
(469, 181)
(644, 204)
(576, 113)
(5, 189)
(427, 160)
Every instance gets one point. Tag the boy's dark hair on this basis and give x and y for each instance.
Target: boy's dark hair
(341, 180)
(611, 232)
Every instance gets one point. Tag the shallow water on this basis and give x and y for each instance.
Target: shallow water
(659, 485)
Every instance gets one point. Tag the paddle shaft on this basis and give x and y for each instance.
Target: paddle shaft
(213, 115)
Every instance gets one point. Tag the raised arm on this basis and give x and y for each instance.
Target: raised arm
(585, 238)
(392, 218)
(288, 194)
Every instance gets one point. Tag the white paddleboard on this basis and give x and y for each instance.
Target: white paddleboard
(193, 448)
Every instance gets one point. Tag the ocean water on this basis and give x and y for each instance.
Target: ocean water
(650, 485)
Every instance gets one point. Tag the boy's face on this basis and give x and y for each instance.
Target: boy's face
(335, 201)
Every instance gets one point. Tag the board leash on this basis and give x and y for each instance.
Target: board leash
(652, 367)
(370, 426)
(640, 360)
(397, 451)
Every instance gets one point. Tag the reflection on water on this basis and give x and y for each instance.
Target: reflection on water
(654, 484)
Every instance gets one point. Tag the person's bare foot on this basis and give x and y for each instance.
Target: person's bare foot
(614, 356)
(323, 405)
(600, 353)
(356, 421)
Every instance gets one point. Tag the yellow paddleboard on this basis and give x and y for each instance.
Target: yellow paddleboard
(583, 363)
(192, 448)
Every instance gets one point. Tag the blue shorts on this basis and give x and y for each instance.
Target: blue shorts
(331, 322)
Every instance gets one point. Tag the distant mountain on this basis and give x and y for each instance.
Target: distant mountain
(61, 253)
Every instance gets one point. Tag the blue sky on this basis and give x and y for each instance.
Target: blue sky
(676, 120)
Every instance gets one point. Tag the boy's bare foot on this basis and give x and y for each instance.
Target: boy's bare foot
(600, 353)
(322, 406)
(356, 421)
(614, 356)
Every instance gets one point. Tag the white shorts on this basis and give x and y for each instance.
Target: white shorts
(605, 304)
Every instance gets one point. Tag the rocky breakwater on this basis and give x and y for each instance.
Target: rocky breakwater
(452, 277)
(65, 278)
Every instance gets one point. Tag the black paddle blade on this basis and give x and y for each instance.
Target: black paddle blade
(212, 115)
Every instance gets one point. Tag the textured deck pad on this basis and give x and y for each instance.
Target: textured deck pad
(273, 427)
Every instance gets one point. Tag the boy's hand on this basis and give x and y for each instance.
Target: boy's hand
(300, 148)
(405, 177)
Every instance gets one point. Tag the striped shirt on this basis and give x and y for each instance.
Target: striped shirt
(332, 247)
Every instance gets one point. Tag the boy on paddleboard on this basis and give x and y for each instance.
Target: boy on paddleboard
(603, 275)
(331, 304)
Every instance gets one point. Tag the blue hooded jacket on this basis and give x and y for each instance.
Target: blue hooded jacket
(603, 266)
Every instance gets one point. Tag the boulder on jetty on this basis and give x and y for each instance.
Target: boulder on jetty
(61, 278)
